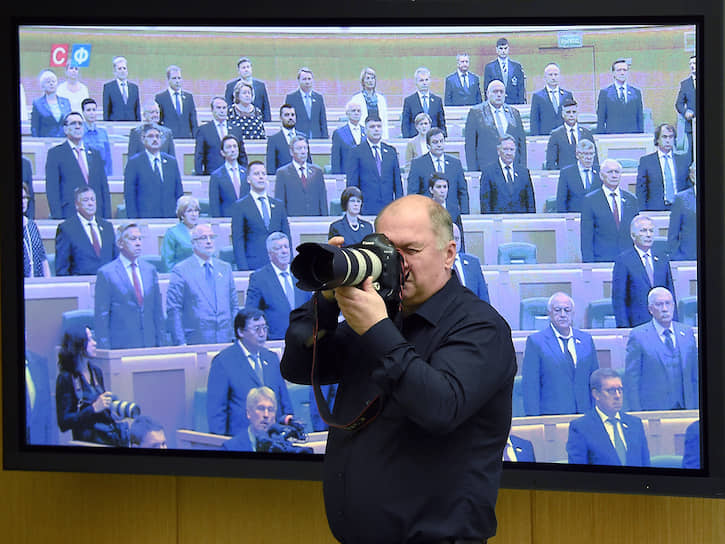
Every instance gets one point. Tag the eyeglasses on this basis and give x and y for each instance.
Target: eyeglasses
(258, 328)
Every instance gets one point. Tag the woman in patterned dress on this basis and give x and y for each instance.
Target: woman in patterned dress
(35, 262)
(246, 115)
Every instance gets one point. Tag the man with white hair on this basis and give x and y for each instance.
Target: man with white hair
(346, 137)
(422, 101)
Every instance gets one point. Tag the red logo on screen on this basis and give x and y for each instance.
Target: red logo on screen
(58, 54)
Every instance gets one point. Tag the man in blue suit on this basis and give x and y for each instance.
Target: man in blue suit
(578, 179)
(606, 216)
(686, 102)
(558, 361)
(345, 138)
(547, 103)
(278, 151)
(619, 106)
(201, 300)
(272, 288)
(506, 70)
(563, 141)
(120, 96)
(254, 217)
(374, 169)
(309, 106)
(468, 269)
(70, 165)
(84, 242)
(208, 140)
(462, 87)
(261, 412)
(178, 111)
(228, 183)
(506, 186)
(661, 371)
(300, 186)
(237, 369)
(422, 101)
(682, 229)
(151, 181)
(636, 271)
(662, 174)
(519, 450)
(606, 435)
(259, 89)
(128, 312)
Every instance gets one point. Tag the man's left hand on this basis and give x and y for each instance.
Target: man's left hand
(362, 307)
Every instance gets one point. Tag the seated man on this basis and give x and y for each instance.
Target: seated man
(202, 299)
(272, 289)
(661, 371)
(519, 450)
(300, 185)
(506, 187)
(558, 361)
(261, 409)
(147, 433)
(606, 435)
(237, 369)
(468, 269)
(578, 179)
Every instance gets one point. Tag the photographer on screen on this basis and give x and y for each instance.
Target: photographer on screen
(423, 408)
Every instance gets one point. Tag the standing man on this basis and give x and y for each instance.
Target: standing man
(128, 312)
(562, 144)
(309, 106)
(682, 229)
(201, 300)
(151, 116)
(578, 179)
(506, 70)
(70, 165)
(661, 362)
(547, 103)
(254, 217)
(96, 136)
(419, 102)
(686, 102)
(374, 169)
(151, 181)
(228, 183)
(607, 435)
(259, 89)
(468, 268)
(120, 96)
(444, 366)
(558, 361)
(606, 216)
(462, 87)
(506, 186)
(272, 288)
(178, 111)
(84, 242)
(345, 138)
(209, 139)
(662, 174)
(301, 185)
(619, 106)
(636, 271)
(278, 150)
(486, 123)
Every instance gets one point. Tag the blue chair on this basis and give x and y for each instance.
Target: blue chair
(300, 397)
(226, 254)
(687, 311)
(121, 211)
(517, 253)
(550, 205)
(81, 318)
(533, 315)
(600, 314)
(203, 207)
(335, 207)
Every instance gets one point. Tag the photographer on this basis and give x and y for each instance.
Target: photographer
(82, 403)
(427, 392)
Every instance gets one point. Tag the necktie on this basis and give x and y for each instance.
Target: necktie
(669, 181)
(565, 347)
(94, 237)
(555, 100)
(265, 211)
(81, 163)
(500, 122)
(615, 209)
(425, 103)
(587, 179)
(618, 443)
(235, 181)
(303, 177)
(439, 165)
(290, 135)
(222, 130)
(648, 268)
(157, 170)
(136, 283)
(177, 100)
(308, 105)
(668, 340)
(572, 134)
(622, 96)
(355, 131)
(209, 275)
(509, 179)
(465, 81)
(257, 367)
(378, 160)
(124, 92)
(288, 289)
(504, 72)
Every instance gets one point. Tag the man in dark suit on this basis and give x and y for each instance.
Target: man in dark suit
(272, 288)
(462, 87)
(422, 101)
(201, 300)
(519, 450)
(486, 123)
(374, 169)
(71, 165)
(619, 106)
(661, 371)
(278, 150)
(128, 312)
(151, 181)
(686, 102)
(254, 217)
(178, 111)
(259, 89)
(120, 96)
(682, 229)
(209, 140)
(237, 369)
(506, 186)
(151, 115)
(547, 103)
(660, 175)
(578, 179)
(261, 412)
(39, 427)
(84, 242)
(606, 435)
(606, 216)
(506, 70)
(558, 361)
(635, 272)
(228, 183)
(421, 169)
(468, 268)
(300, 185)
(563, 141)
(345, 138)
(309, 106)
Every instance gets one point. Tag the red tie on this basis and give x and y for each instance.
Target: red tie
(303, 177)
(96, 242)
(615, 210)
(235, 181)
(81, 163)
(136, 284)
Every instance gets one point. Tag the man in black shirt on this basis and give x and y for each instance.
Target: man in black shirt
(435, 384)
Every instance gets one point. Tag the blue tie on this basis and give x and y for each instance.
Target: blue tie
(209, 274)
(669, 182)
(178, 103)
(378, 160)
(618, 443)
(265, 211)
(425, 103)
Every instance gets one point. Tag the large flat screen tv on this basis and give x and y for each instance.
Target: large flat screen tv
(59, 59)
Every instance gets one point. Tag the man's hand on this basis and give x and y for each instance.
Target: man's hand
(362, 308)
